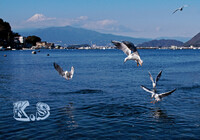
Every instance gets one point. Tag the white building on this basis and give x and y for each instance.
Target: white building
(21, 39)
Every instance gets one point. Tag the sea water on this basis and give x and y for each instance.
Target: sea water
(104, 99)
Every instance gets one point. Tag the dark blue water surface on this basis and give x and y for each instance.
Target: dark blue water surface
(104, 99)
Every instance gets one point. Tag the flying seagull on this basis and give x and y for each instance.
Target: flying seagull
(154, 83)
(180, 9)
(66, 74)
(158, 97)
(127, 47)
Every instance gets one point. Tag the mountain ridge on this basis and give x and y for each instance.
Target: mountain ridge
(194, 41)
(68, 35)
(161, 43)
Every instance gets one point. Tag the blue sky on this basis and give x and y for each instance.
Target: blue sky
(136, 18)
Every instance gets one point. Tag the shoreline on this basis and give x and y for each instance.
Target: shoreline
(108, 48)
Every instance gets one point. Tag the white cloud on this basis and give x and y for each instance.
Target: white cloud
(103, 25)
(107, 25)
(82, 18)
(38, 18)
(106, 22)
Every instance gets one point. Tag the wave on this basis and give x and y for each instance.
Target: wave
(115, 110)
(190, 87)
(83, 91)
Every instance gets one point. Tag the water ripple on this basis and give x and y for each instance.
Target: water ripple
(83, 91)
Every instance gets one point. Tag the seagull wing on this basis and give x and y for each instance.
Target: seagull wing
(131, 46)
(176, 10)
(59, 69)
(146, 89)
(151, 77)
(158, 76)
(166, 93)
(122, 47)
(72, 71)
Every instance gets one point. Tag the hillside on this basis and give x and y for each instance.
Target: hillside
(182, 39)
(195, 41)
(6, 34)
(70, 35)
(161, 43)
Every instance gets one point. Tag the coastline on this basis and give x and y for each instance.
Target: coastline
(106, 48)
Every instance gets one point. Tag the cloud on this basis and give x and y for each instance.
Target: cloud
(106, 22)
(82, 18)
(97, 25)
(38, 18)
(42, 20)
(107, 25)
(103, 25)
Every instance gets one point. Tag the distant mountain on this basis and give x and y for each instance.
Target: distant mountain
(182, 39)
(70, 35)
(195, 41)
(161, 43)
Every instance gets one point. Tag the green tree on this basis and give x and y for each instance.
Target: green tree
(33, 39)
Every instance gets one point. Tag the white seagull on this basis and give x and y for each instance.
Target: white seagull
(180, 9)
(158, 97)
(66, 74)
(127, 47)
(154, 83)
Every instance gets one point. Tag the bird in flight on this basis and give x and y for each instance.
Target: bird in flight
(127, 47)
(180, 9)
(66, 74)
(158, 97)
(154, 83)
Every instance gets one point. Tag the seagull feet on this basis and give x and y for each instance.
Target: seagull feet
(137, 64)
(153, 102)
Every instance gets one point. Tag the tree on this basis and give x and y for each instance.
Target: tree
(16, 34)
(33, 39)
(6, 35)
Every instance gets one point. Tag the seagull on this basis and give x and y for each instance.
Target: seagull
(127, 47)
(158, 97)
(180, 9)
(154, 83)
(66, 74)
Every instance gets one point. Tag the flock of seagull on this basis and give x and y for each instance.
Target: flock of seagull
(132, 54)
(154, 94)
(127, 47)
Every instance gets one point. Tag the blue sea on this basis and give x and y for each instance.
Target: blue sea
(104, 99)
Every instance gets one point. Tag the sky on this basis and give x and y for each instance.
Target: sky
(135, 18)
